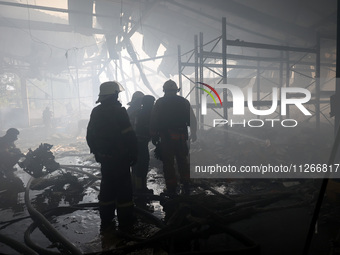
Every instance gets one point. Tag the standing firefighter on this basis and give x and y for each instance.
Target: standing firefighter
(113, 142)
(47, 117)
(171, 116)
(134, 107)
(142, 128)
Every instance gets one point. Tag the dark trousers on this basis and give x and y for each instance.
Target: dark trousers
(115, 192)
(140, 170)
(172, 149)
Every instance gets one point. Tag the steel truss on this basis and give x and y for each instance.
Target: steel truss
(198, 58)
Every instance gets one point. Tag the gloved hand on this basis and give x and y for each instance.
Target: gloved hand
(155, 140)
(133, 158)
(133, 161)
(193, 137)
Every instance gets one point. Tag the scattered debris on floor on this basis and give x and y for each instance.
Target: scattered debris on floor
(216, 217)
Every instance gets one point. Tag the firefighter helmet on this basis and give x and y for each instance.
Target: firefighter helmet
(12, 132)
(136, 97)
(109, 88)
(170, 85)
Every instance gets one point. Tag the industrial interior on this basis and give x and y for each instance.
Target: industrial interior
(279, 57)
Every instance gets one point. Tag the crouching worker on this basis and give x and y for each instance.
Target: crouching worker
(113, 142)
(9, 153)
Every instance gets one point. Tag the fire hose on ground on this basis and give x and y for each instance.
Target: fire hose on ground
(39, 167)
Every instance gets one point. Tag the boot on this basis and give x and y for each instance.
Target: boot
(125, 216)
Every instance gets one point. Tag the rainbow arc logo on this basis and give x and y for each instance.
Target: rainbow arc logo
(239, 99)
(212, 89)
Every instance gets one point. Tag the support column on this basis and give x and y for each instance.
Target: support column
(258, 83)
(337, 84)
(25, 102)
(281, 80)
(197, 99)
(201, 63)
(287, 79)
(52, 93)
(317, 83)
(180, 70)
(224, 66)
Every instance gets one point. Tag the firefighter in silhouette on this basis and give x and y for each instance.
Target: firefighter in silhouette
(142, 128)
(10, 184)
(134, 107)
(112, 140)
(47, 118)
(9, 153)
(170, 119)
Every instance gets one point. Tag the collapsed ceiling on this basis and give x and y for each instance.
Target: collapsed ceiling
(44, 38)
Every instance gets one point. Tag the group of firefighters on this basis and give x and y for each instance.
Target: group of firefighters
(119, 140)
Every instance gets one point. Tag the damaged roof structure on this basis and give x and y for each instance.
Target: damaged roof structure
(55, 55)
(59, 53)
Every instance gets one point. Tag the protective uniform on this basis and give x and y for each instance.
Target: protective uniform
(134, 107)
(10, 184)
(142, 128)
(171, 116)
(114, 144)
(9, 153)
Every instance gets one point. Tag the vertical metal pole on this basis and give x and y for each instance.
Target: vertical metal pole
(95, 84)
(224, 66)
(337, 84)
(258, 85)
(317, 82)
(334, 155)
(78, 91)
(180, 70)
(281, 79)
(287, 79)
(201, 63)
(197, 99)
(52, 94)
(122, 75)
(24, 100)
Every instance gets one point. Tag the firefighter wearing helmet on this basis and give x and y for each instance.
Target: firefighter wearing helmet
(134, 107)
(112, 140)
(9, 153)
(170, 119)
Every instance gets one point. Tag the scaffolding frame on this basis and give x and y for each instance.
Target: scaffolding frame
(200, 56)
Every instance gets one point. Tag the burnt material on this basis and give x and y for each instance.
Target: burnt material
(39, 162)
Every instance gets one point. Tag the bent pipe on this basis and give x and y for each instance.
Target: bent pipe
(31, 244)
(80, 166)
(72, 168)
(70, 209)
(10, 222)
(46, 227)
(52, 212)
(15, 245)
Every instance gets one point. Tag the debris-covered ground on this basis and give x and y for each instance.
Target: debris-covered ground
(255, 216)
